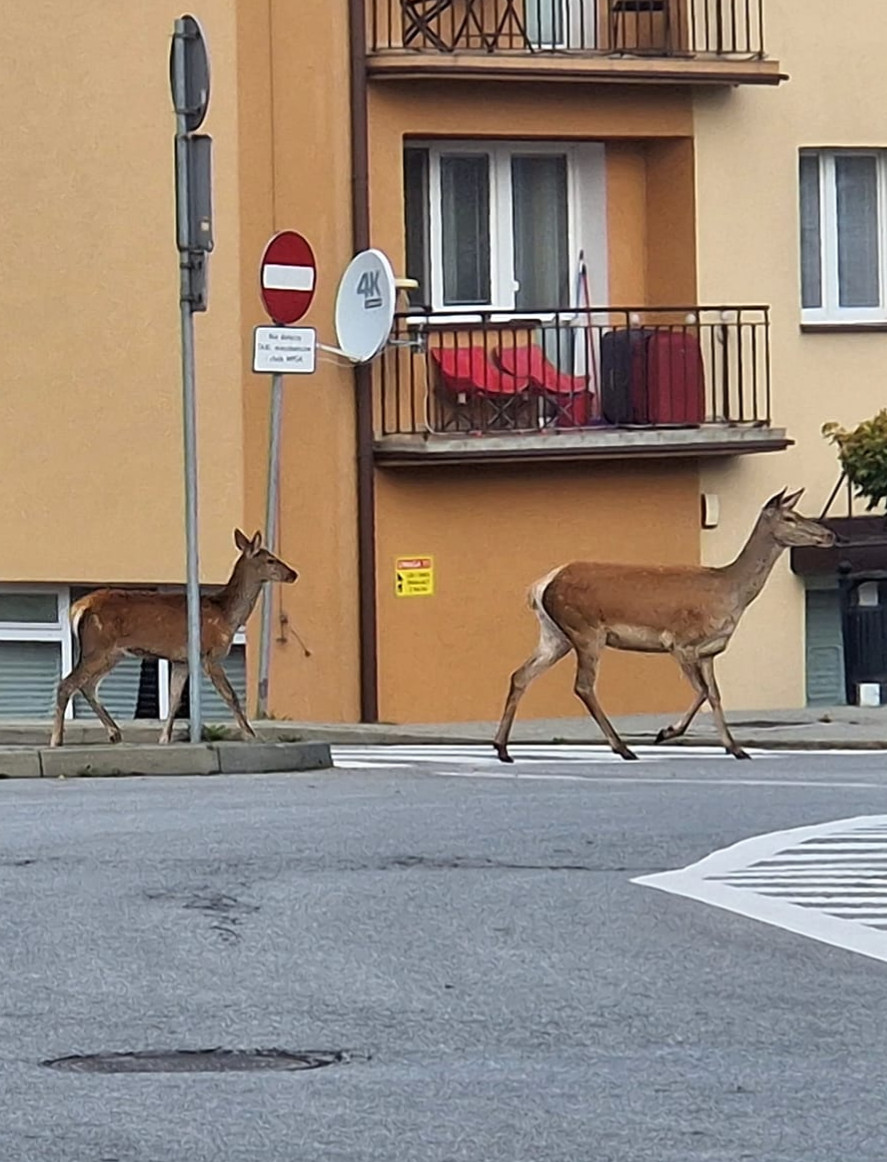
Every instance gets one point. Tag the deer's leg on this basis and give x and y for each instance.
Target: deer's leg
(178, 676)
(707, 670)
(587, 655)
(89, 690)
(553, 645)
(691, 669)
(219, 679)
(85, 677)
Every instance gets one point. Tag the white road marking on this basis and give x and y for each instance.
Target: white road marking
(758, 878)
(478, 761)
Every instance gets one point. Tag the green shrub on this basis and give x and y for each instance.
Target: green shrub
(862, 452)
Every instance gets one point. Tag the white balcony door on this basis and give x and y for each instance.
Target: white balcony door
(500, 225)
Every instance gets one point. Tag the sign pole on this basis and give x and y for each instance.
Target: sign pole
(287, 281)
(189, 400)
(271, 510)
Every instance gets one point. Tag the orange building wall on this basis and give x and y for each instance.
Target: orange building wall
(295, 175)
(90, 364)
(492, 532)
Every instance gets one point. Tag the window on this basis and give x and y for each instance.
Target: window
(842, 208)
(35, 649)
(499, 225)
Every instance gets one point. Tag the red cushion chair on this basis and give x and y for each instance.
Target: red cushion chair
(470, 370)
(530, 363)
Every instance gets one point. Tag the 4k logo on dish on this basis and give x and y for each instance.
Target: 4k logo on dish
(368, 287)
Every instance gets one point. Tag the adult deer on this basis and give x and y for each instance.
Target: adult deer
(687, 611)
(112, 624)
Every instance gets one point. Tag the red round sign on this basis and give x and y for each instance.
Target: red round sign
(287, 278)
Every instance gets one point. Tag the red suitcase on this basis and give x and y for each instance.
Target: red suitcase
(675, 379)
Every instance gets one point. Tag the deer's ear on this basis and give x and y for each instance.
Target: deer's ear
(791, 500)
(256, 543)
(775, 501)
(241, 540)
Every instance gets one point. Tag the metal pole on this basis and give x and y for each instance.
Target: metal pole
(270, 538)
(189, 402)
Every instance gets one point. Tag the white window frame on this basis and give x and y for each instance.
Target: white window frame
(830, 310)
(239, 639)
(585, 165)
(57, 632)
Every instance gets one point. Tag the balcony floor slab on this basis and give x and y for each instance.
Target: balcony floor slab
(587, 444)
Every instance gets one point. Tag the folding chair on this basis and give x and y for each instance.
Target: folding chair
(572, 399)
(418, 17)
(483, 395)
(510, 12)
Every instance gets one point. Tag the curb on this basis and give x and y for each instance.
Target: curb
(177, 759)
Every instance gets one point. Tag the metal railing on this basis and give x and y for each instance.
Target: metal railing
(844, 503)
(604, 368)
(658, 28)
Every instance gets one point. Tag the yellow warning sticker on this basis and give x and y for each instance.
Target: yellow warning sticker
(414, 577)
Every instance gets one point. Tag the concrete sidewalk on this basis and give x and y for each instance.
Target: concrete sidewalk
(840, 727)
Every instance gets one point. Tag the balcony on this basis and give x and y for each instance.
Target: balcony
(575, 384)
(694, 41)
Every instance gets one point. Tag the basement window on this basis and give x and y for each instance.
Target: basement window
(35, 648)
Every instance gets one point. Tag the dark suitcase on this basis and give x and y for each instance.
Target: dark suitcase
(624, 375)
(675, 380)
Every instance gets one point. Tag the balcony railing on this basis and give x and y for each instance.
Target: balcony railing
(702, 370)
(728, 29)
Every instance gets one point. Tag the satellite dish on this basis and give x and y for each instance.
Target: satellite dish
(365, 306)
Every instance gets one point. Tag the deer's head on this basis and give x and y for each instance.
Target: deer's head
(264, 565)
(788, 528)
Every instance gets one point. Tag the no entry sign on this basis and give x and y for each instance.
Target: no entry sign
(288, 277)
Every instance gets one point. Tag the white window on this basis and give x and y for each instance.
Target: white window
(35, 649)
(843, 251)
(500, 225)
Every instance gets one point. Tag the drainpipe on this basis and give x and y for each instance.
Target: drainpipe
(363, 376)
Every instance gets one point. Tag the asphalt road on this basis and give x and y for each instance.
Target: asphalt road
(470, 937)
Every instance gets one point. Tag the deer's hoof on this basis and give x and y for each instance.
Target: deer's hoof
(627, 754)
(666, 734)
(115, 737)
(502, 753)
(739, 753)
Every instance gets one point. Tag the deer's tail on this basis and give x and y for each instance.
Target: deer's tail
(547, 625)
(79, 610)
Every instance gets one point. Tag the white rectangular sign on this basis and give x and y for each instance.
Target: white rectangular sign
(285, 350)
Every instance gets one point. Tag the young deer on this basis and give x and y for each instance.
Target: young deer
(112, 624)
(687, 611)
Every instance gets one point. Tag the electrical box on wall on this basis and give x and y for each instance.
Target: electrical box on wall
(711, 510)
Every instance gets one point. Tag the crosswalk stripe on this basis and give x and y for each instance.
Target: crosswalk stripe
(828, 882)
(524, 754)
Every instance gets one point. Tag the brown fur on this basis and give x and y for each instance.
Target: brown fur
(689, 611)
(115, 623)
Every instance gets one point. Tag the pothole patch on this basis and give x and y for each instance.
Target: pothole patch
(199, 1061)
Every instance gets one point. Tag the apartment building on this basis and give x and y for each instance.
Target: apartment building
(600, 205)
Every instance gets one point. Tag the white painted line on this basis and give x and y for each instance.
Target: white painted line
(844, 929)
(294, 278)
(593, 779)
